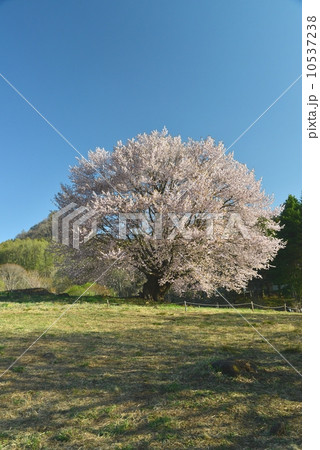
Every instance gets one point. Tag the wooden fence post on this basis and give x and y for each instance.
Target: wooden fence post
(185, 306)
(285, 307)
(217, 305)
(252, 307)
(108, 303)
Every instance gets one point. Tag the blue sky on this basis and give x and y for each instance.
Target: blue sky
(105, 70)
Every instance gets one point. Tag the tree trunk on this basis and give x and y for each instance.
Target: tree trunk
(152, 290)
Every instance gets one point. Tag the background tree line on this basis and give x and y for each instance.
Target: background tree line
(27, 261)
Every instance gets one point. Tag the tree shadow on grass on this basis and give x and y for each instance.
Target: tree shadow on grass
(152, 370)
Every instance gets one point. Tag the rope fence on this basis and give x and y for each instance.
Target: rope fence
(250, 305)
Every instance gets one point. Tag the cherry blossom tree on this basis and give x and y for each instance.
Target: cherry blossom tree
(184, 214)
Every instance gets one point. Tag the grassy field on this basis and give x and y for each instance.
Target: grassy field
(135, 377)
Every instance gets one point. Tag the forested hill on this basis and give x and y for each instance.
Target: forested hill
(41, 230)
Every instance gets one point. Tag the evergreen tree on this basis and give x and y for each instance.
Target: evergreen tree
(288, 262)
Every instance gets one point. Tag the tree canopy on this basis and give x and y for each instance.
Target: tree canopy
(31, 254)
(183, 186)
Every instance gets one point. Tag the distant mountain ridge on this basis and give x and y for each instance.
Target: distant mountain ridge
(42, 230)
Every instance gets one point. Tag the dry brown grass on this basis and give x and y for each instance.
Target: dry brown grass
(135, 377)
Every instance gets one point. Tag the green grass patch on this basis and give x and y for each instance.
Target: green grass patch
(138, 376)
